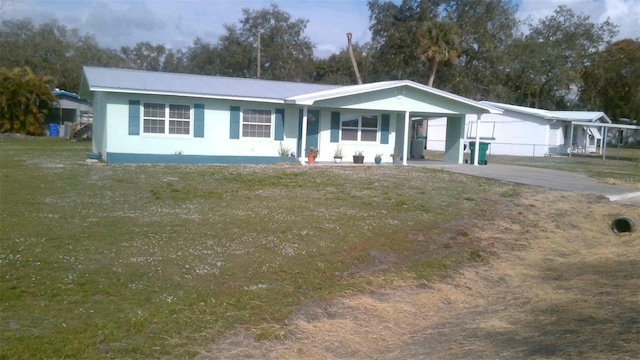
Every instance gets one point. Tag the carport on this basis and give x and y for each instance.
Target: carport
(409, 101)
(605, 128)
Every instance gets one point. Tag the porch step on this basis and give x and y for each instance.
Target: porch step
(82, 132)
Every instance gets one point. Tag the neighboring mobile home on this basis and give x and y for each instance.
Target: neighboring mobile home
(69, 108)
(526, 131)
(70, 112)
(151, 117)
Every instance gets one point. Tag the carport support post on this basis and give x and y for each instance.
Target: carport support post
(453, 144)
(405, 147)
(303, 141)
(477, 150)
(571, 139)
(603, 146)
(601, 139)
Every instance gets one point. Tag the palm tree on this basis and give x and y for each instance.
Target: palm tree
(25, 98)
(439, 43)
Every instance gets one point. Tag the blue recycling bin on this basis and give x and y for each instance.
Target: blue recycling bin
(54, 130)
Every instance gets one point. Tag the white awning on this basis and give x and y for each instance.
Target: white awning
(594, 132)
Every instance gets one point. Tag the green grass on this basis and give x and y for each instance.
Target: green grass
(157, 261)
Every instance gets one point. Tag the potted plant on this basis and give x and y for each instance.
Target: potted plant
(358, 157)
(378, 159)
(312, 154)
(337, 155)
(395, 156)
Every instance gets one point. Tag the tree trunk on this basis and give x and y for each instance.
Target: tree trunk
(433, 73)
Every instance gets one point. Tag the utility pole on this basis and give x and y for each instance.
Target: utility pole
(258, 54)
(353, 59)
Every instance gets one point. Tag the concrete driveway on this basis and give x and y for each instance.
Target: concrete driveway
(552, 179)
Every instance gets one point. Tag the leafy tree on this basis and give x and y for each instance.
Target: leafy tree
(149, 57)
(438, 45)
(394, 37)
(549, 61)
(52, 49)
(285, 52)
(486, 28)
(174, 61)
(144, 56)
(202, 58)
(25, 99)
(611, 83)
(240, 53)
(337, 69)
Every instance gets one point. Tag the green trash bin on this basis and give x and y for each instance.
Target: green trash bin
(482, 153)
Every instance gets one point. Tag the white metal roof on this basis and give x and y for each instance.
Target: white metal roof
(573, 116)
(162, 83)
(159, 83)
(615, 126)
(592, 116)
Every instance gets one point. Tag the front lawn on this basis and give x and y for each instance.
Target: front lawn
(158, 261)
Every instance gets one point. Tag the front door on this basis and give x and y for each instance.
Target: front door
(313, 127)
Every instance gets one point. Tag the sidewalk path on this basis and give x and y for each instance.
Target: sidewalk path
(552, 179)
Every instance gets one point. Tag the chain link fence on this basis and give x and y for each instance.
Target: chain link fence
(614, 152)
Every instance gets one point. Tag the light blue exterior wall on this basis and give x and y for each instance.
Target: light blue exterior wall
(215, 144)
(369, 148)
(111, 134)
(453, 151)
(399, 99)
(98, 129)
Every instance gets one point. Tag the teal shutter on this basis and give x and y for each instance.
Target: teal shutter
(279, 131)
(134, 117)
(234, 122)
(198, 120)
(384, 129)
(335, 126)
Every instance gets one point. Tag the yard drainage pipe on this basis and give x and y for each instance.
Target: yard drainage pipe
(622, 225)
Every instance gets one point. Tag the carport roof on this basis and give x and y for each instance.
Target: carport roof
(573, 116)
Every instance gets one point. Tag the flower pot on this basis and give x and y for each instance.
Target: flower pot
(396, 160)
(358, 159)
(378, 160)
(312, 159)
(337, 160)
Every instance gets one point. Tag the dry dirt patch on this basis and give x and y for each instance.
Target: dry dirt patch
(559, 284)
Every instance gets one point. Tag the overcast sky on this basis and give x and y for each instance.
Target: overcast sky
(176, 23)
